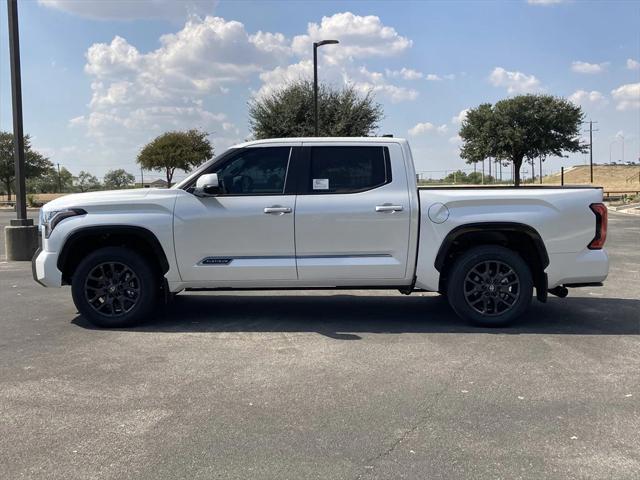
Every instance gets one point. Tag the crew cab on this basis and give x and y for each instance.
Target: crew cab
(321, 213)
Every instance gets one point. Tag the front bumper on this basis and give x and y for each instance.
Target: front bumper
(44, 267)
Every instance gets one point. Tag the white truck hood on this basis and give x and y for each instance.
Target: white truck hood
(111, 198)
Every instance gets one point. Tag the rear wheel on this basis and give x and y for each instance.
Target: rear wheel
(490, 286)
(114, 287)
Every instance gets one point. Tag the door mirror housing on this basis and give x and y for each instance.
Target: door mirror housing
(207, 185)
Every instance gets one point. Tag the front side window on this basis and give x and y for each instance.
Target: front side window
(348, 169)
(256, 171)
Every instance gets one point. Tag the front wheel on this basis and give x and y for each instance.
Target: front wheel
(490, 286)
(114, 287)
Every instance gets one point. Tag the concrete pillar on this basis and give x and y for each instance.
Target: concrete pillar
(21, 241)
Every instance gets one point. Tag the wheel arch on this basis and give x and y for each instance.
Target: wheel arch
(523, 239)
(83, 241)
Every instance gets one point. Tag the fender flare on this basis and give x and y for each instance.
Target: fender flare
(486, 227)
(105, 230)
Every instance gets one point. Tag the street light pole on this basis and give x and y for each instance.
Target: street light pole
(16, 98)
(315, 79)
(21, 236)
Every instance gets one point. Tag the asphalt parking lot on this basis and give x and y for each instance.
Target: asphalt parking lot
(346, 385)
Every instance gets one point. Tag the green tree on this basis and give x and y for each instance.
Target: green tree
(521, 128)
(50, 181)
(288, 112)
(35, 163)
(456, 177)
(173, 151)
(117, 179)
(86, 182)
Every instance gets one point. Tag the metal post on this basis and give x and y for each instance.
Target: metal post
(533, 171)
(591, 150)
(315, 88)
(561, 175)
(16, 99)
(540, 158)
(59, 179)
(141, 178)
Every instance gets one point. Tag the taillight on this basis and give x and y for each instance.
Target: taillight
(601, 226)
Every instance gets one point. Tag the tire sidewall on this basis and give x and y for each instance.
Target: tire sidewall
(149, 287)
(455, 287)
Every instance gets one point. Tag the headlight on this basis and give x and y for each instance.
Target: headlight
(49, 219)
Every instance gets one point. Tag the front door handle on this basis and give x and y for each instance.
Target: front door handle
(277, 210)
(389, 208)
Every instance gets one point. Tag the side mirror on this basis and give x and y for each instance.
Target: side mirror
(207, 185)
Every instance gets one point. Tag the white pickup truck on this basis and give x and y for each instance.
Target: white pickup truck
(321, 213)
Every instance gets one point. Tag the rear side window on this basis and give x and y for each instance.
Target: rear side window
(348, 169)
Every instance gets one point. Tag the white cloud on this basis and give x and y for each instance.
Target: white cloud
(583, 97)
(514, 82)
(588, 68)
(359, 36)
(421, 128)
(145, 93)
(627, 96)
(455, 140)
(442, 129)
(458, 119)
(133, 9)
(545, 2)
(633, 64)
(433, 77)
(405, 73)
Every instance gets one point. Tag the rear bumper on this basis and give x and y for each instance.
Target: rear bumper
(585, 267)
(44, 267)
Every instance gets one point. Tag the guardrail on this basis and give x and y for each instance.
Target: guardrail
(609, 194)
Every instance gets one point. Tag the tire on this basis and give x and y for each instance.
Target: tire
(114, 287)
(490, 286)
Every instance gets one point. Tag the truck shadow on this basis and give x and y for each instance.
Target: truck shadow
(345, 316)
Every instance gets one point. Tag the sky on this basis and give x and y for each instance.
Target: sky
(101, 78)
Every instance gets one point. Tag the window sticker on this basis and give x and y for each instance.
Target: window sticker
(321, 184)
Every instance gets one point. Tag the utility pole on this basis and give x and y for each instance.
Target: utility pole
(540, 158)
(533, 171)
(489, 169)
(59, 179)
(591, 130)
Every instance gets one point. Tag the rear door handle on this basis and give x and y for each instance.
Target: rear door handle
(277, 210)
(389, 208)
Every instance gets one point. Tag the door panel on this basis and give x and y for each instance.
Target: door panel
(362, 235)
(232, 238)
(244, 234)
